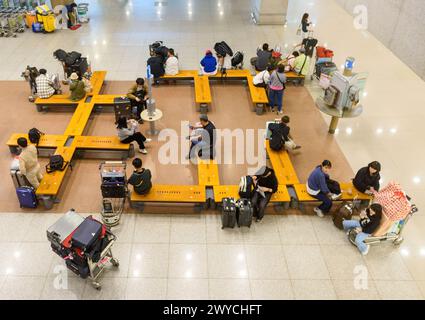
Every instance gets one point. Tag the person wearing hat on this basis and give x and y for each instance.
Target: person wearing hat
(367, 178)
(209, 64)
(302, 63)
(76, 87)
(28, 162)
(202, 139)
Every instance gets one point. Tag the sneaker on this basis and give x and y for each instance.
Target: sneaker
(258, 220)
(367, 250)
(280, 112)
(319, 212)
(148, 140)
(297, 148)
(143, 151)
(336, 196)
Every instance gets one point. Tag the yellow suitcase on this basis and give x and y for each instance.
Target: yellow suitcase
(49, 23)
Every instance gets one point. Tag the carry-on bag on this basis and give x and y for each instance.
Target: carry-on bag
(331, 94)
(223, 49)
(237, 59)
(87, 233)
(228, 213)
(246, 187)
(394, 201)
(27, 197)
(245, 211)
(322, 52)
(56, 163)
(113, 189)
(325, 67)
(345, 212)
(122, 108)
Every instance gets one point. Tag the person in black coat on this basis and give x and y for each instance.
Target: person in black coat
(156, 63)
(265, 184)
(367, 178)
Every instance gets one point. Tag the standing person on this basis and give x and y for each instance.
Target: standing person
(203, 143)
(370, 219)
(141, 179)
(305, 25)
(127, 133)
(156, 62)
(45, 86)
(302, 63)
(171, 64)
(138, 95)
(367, 178)
(265, 185)
(262, 60)
(28, 163)
(277, 88)
(318, 188)
(209, 64)
(262, 78)
(76, 87)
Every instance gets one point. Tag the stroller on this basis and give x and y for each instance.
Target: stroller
(114, 191)
(30, 74)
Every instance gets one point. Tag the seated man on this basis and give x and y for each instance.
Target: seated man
(302, 63)
(318, 188)
(202, 143)
(370, 219)
(265, 185)
(45, 86)
(367, 178)
(209, 64)
(287, 138)
(263, 58)
(28, 163)
(262, 78)
(172, 64)
(138, 95)
(156, 63)
(76, 87)
(141, 178)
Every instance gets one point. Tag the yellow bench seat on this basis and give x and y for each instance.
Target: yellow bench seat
(57, 99)
(208, 173)
(101, 143)
(221, 192)
(79, 119)
(293, 75)
(202, 90)
(172, 193)
(282, 166)
(258, 95)
(46, 140)
(183, 74)
(233, 73)
(97, 80)
(303, 196)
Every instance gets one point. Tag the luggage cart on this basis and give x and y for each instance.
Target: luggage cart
(114, 191)
(318, 60)
(394, 235)
(59, 235)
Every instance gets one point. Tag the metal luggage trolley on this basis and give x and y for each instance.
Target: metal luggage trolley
(59, 235)
(114, 191)
(394, 235)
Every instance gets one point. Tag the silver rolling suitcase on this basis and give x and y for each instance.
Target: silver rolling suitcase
(62, 228)
(18, 178)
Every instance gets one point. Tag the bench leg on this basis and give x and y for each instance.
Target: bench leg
(199, 207)
(139, 206)
(259, 109)
(48, 202)
(131, 153)
(278, 207)
(40, 108)
(203, 108)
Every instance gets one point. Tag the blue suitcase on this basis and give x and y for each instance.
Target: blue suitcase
(87, 233)
(26, 197)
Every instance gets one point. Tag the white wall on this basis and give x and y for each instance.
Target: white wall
(399, 25)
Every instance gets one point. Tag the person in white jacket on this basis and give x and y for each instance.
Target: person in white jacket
(171, 64)
(28, 163)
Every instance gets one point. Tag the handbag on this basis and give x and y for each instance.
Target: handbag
(394, 202)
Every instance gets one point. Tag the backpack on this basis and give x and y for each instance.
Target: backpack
(237, 59)
(72, 58)
(333, 186)
(276, 139)
(246, 186)
(34, 136)
(222, 48)
(56, 163)
(60, 54)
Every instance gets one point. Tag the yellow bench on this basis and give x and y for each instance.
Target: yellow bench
(235, 74)
(183, 74)
(106, 99)
(172, 193)
(258, 95)
(208, 173)
(282, 166)
(97, 80)
(295, 77)
(46, 140)
(79, 120)
(221, 192)
(101, 143)
(202, 90)
(349, 192)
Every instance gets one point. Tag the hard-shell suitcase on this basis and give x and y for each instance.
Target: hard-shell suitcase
(27, 197)
(49, 22)
(228, 213)
(30, 19)
(345, 212)
(122, 108)
(246, 187)
(18, 179)
(331, 94)
(86, 234)
(245, 212)
(325, 67)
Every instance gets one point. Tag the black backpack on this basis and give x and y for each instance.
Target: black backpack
(60, 54)
(222, 48)
(34, 136)
(276, 139)
(246, 187)
(237, 59)
(56, 163)
(72, 58)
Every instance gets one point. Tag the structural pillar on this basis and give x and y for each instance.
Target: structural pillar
(269, 11)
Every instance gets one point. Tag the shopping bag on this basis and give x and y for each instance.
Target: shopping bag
(394, 202)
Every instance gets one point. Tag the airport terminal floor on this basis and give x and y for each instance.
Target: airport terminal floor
(178, 253)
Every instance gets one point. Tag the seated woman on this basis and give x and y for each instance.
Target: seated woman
(265, 184)
(370, 219)
(127, 133)
(289, 62)
(76, 87)
(209, 64)
(318, 188)
(141, 178)
(367, 178)
(138, 95)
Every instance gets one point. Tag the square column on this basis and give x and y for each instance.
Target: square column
(271, 12)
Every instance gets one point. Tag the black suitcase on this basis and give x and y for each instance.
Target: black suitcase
(237, 59)
(87, 233)
(123, 108)
(81, 270)
(228, 213)
(325, 67)
(244, 213)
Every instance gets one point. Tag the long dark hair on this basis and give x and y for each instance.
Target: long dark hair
(305, 17)
(122, 123)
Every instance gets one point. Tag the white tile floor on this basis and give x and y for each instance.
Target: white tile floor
(191, 257)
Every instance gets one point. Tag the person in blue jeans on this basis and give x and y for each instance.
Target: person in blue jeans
(277, 88)
(370, 219)
(318, 188)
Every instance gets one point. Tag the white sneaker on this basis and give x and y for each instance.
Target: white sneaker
(319, 212)
(336, 196)
(148, 140)
(143, 151)
(280, 112)
(367, 250)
